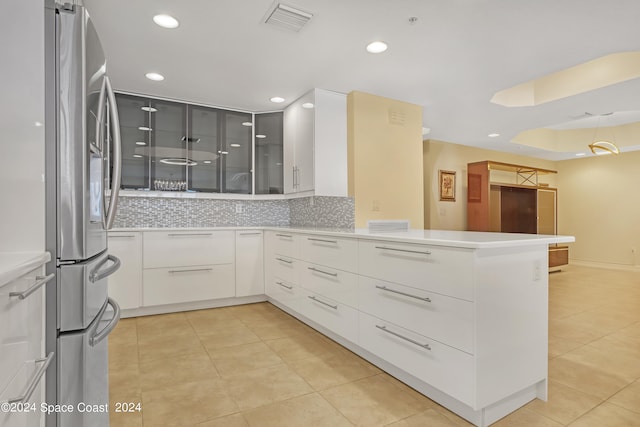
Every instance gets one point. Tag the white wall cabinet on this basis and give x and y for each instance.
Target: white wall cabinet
(315, 144)
(125, 285)
(249, 263)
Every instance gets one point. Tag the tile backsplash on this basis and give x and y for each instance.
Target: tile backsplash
(164, 212)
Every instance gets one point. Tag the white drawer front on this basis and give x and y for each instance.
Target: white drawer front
(185, 248)
(185, 284)
(440, 366)
(445, 319)
(338, 318)
(338, 285)
(330, 251)
(447, 271)
(286, 268)
(282, 243)
(284, 292)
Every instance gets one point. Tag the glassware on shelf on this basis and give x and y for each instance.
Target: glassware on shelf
(169, 185)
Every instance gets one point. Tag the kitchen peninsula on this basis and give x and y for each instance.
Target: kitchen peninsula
(459, 316)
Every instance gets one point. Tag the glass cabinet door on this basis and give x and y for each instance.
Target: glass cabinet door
(203, 145)
(236, 153)
(168, 147)
(134, 113)
(268, 163)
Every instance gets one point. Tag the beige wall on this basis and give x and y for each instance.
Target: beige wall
(599, 203)
(445, 215)
(385, 159)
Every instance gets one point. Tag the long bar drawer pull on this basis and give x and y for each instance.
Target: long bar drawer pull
(335, 307)
(288, 261)
(322, 240)
(323, 272)
(122, 236)
(384, 288)
(403, 250)
(384, 329)
(189, 234)
(190, 270)
(26, 395)
(251, 234)
(288, 236)
(283, 285)
(40, 281)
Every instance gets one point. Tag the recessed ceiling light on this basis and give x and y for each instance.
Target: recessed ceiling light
(141, 143)
(247, 124)
(377, 47)
(261, 136)
(166, 21)
(38, 124)
(144, 128)
(235, 145)
(155, 77)
(137, 156)
(277, 99)
(580, 154)
(207, 162)
(149, 109)
(493, 135)
(307, 105)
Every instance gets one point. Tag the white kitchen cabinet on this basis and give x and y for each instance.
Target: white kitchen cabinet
(188, 248)
(23, 361)
(249, 263)
(315, 144)
(125, 285)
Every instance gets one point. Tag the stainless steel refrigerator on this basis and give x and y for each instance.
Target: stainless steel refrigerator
(82, 128)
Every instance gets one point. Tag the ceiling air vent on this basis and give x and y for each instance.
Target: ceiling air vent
(287, 17)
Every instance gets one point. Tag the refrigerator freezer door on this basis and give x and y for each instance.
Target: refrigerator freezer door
(83, 291)
(83, 369)
(81, 150)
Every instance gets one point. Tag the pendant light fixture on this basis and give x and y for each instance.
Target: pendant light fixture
(600, 146)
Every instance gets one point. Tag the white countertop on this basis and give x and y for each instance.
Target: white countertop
(16, 264)
(460, 239)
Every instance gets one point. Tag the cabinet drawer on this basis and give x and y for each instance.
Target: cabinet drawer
(185, 284)
(282, 243)
(445, 319)
(284, 292)
(182, 248)
(447, 271)
(441, 366)
(330, 251)
(286, 268)
(338, 318)
(125, 285)
(338, 285)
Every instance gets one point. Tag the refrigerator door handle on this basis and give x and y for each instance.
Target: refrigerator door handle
(97, 275)
(96, 336)
(117, 155)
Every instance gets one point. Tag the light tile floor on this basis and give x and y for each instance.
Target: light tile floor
(254, 365)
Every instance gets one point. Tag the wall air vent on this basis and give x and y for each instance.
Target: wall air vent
(287, 17)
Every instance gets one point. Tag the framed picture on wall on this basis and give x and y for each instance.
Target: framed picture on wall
(447, 186)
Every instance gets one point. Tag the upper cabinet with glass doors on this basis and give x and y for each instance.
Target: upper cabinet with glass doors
(171, 146)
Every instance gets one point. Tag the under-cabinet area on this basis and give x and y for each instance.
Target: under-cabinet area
(428, 307)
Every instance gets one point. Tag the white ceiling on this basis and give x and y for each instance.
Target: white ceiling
(451, 61)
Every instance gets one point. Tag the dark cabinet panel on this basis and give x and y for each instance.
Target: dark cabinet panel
(269, 153)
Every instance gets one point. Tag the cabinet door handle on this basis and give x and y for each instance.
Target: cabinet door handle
(294, 177)
(40, 281)
(288, 236)
(384, 329)
(189, 234)
(283, 285)
(285, 260)
(317, 270)
(322, 240)
(28, 391)
(122, 236)
(251, 234)
(403, 250)
(190, 270)
(384, 288)
(335, 307)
